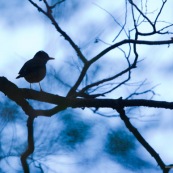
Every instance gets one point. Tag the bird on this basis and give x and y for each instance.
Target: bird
(34, 70)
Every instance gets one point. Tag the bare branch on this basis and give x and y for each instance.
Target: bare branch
(136, 92)
(57, 3)
(68, 38)
(13, 93)
(64, 102)
(87, 96)
(121, 26)
(58, 28)
(30, 147)
(39, 8)
(160, 11)
(129, 41)
(72, 91)
(141, 13)
(144, 143)
(107, 79)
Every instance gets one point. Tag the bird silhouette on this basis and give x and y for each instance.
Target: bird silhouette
(34, 70)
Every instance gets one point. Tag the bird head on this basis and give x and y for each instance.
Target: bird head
(42, 57)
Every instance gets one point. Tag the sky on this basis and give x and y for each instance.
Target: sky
(24, 31)
(21, 39)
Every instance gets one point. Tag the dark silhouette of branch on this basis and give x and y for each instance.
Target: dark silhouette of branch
(57, 3)
(87, 64)
(141, 13)
(160, 11)
(64, 102)
(13, 93)
(122, 27)
(137, 92)
(108, 79)
(68, 38)
(23, 94)
(20, 96)
(58, 28)
(102, 53)
(97, 103)
(73, 89)
(142, 140)
(129, 41)
(30, 147)
(146, 19)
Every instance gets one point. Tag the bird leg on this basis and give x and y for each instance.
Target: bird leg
(40, 87)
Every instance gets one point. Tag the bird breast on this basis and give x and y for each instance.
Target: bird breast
(36, 75)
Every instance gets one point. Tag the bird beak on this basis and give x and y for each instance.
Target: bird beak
(50, 58)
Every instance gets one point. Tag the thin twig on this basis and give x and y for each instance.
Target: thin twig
(141, 13)
(128, 41)
(160, 11)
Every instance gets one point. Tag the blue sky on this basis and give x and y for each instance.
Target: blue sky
(24, 31)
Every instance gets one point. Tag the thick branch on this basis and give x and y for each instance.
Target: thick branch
(20, 96)
(13, 93)
(30, 147)
(102, 103)
(96, 103)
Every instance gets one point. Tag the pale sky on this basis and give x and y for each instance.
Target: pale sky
(28, 31)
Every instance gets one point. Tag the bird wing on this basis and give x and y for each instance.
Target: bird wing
(29, 67)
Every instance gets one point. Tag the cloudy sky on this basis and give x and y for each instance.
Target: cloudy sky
(24, 31)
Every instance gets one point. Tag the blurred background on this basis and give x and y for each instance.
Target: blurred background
(78, 140)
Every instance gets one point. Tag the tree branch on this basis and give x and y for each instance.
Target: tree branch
(107, 79)
(141, 13)
(142, 140)
(129, 41)
(72, 91)
(30, 147)
(58, 28)
(13, 93)
(20, 95)
(97, 103)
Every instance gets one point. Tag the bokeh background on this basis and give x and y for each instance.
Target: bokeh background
(78, 140)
